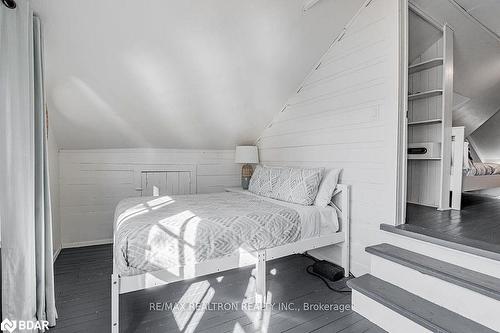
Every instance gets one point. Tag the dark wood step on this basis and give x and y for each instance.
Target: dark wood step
(426, 314)
(472, 246)
(463, 277)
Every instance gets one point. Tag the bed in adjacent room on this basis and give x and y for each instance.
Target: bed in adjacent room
(469, 175)
(163, 239)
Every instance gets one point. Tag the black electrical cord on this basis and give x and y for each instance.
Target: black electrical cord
(309, 270)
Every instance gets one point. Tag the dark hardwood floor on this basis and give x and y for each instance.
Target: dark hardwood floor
(479, 218)
(83, 300)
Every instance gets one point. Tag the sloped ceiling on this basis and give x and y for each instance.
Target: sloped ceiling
(485, 11)
(178, 74)
(486, 140)
(476, 63)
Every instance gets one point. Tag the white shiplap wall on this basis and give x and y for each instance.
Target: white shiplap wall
(92, 182)
(345, 116)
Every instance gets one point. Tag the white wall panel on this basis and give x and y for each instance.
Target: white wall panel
(92, 182)
(345, 116)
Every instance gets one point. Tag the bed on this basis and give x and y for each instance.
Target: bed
(160, 240)
(468, 175)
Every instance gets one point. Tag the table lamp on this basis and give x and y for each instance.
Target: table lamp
(246, 155)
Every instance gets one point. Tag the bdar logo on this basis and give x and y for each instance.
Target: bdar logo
(8, 325)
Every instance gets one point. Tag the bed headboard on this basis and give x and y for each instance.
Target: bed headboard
(341, 198)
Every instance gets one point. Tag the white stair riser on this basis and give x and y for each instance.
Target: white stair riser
(459, 258)
(382, 316)
(468, 303)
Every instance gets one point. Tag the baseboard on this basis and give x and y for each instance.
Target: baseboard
(87, 243)
(421, 204)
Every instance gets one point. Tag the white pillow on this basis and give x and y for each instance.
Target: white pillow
(297, 185)
(262, 180)
(326, 188)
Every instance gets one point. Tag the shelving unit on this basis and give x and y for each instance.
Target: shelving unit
(425, 122)
(425, 94)
(425, 158)
(421, 66)
(430, 93)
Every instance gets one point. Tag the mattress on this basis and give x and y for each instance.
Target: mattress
(159, 233)
(482, 169)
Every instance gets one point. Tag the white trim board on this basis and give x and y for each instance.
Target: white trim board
(402, 134)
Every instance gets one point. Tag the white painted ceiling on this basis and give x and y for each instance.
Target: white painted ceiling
(486, 140)
(178, 74)
(476, 62)
(485, 11)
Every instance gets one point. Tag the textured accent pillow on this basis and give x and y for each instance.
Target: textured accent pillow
(297, 185)
(262, 181)
(326, 188)
(254, 185)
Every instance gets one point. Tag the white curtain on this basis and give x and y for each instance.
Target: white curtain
(46, 308)
(25, 212)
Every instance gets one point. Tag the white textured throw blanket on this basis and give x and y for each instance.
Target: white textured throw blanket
(158, 233)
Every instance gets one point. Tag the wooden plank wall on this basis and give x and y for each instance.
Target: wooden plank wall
(92, 182)
(345, 116)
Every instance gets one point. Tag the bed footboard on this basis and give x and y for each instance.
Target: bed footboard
(341, 202)
(115, 303)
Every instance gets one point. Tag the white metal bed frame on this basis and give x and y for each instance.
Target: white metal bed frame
(459, 182)
(125, 284)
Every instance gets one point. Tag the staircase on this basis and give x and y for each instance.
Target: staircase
(422, 283)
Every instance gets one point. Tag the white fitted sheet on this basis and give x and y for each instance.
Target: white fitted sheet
(316, 221)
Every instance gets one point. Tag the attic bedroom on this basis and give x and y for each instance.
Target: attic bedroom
(250, 166)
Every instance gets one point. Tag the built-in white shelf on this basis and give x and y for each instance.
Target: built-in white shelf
(424, 122)
(421, 66)
(425, 94)
(425, 158)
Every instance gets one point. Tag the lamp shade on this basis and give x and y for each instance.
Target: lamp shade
(246, 154)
